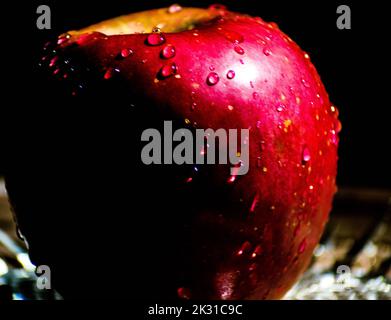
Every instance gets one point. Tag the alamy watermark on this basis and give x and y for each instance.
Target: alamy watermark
(344, 20)
(44, 20)
(193, 148)
(44, 281)
(44, 17)
(343, 277)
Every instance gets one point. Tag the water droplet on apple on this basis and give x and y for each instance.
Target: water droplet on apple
(233, 36)
(63, 38)
(318, 95)
(297, 230)
(231, 74)
(193, 106)
(252, 267)
(254, 203)
(305, 83)
(188, 180)
(258, 124)
(280, 108)
(259, 162)
(302, 246)
(262, 145)
(334, 138)
(255, 95)
(110, 73)
(168, 52)
(211, 68)
(241, 61)
(306, 156)
(212, 79)
(246, 246)
(257, 251)
(266, 52)
(53, 61)
(47, 45)
(269, 37)
(236, 168)
(183, 293)
(126, 53)
(239, 49)
(338, 126)
(231, 179)
(174, 8)
(168, 70)
(155, 39)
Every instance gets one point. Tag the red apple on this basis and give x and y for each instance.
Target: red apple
(248, 237)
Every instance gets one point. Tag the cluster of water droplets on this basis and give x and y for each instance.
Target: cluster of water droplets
(154, 39)
(235, 38)
(62, 67)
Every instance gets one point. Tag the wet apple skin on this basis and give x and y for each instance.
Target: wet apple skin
(253, 237)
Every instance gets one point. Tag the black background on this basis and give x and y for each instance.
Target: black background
(354, 65)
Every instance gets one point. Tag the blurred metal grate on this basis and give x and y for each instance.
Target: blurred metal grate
(353, 258)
